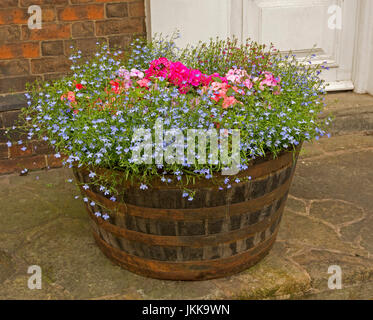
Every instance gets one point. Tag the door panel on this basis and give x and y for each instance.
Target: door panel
(195, 19)
(297, 25)
(304, 26)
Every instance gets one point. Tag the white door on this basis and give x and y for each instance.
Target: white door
(328, 26)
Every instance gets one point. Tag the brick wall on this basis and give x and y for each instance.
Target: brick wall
(30, 54)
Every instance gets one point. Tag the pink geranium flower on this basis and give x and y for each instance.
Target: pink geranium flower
(124, 73)
(136, 73)
(269, 80)
(71, 96)
(179, 75)
(144, 83)
(184, 89)
(236, 75)
(248, 84)
(195, 77)
(229, 101)
(158, 68)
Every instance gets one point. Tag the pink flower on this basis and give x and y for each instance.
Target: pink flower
(269, 80)
(220, 90)
(184, 89)
(143, 82)
(229, 101)
(236, 75)
(215, 86)
(127, 84)
(136, 73)
(158, 68)
(195, 77)
(248, 84)
(179, 74)
(71, 96)
(207, 79)
(124, 73)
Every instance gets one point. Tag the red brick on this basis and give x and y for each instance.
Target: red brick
(107, 0)
(48, 32)
(9, 3)
(4, 154)
(20, 16)
(54, 162)
(116, 10)
(16, 84)
(16, 15)
(47, 65)
(27, 3)
(17, 165)
(81, 1)
(10, 33)
(119, 26)
(14, 67)
(11, 118)
(13, 134)
(3, 136)
(122, 41)
(83, 12)
(97, 1)
(19, 50)
(42, 147)
(16, 152)
(52, 48)
(87, 46)
(54, 76)
(136, 9)
(83, 29)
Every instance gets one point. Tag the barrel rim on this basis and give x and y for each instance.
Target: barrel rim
(258, 168)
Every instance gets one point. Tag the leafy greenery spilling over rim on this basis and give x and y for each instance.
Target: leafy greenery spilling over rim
(91, 115)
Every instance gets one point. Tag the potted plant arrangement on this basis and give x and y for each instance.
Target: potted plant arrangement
(184, 157)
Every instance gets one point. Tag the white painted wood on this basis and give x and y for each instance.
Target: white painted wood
(363, 58)
(295, 25)
(299, 25)
(340, 85)
(195, 19)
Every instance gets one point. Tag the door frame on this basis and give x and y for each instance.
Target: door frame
(362, 74)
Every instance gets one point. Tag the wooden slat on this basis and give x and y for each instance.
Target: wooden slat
(189, 241)
(187, 270)
(191, 214)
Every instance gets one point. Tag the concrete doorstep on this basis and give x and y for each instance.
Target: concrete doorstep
(326, 227)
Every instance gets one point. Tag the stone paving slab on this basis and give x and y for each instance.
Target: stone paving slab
(351, 112)
(328, 221)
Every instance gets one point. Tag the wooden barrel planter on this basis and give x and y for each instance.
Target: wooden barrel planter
(157, 233)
